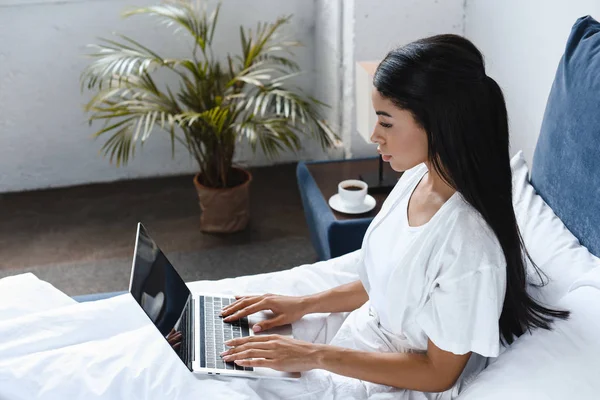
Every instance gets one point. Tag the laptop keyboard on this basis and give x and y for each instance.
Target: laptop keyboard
(214, 333)
(186, 351)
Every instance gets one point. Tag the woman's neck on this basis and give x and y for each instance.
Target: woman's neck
(434, 183)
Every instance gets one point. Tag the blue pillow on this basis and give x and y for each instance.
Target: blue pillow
(566, 162)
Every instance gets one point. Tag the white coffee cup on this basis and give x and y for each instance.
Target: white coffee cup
(352, 192)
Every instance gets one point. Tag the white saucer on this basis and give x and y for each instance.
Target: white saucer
(336, 203)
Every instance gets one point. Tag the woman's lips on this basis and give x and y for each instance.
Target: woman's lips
(385, 157)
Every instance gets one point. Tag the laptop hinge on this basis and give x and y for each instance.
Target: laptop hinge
(192, 323)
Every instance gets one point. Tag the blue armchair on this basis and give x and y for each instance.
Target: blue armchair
(330, 237)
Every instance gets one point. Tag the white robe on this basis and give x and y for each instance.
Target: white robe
(443, 281)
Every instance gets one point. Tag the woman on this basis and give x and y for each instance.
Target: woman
(443, 276)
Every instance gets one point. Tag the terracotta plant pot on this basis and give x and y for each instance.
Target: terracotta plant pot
(225, 210)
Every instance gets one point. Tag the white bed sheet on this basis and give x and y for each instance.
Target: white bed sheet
(55, 348)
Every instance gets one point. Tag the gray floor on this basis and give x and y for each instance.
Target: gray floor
(80, 239)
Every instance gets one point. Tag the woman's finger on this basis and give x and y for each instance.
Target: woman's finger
(252, 353)
(235, 306)
(252, 339)
(259, 362)
(248, 346)
(252, 308)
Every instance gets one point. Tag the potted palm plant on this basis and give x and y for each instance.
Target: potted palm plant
(217, 104)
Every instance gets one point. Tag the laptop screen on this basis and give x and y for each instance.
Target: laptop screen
(158, 288)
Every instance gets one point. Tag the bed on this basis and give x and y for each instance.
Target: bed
(55, 347)
(562, 363)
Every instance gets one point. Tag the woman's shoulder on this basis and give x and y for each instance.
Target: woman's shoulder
(465, 233)
(464, 217)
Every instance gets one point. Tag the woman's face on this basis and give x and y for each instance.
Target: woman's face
(402, 142)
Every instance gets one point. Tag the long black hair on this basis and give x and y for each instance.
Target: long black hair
(442, 81)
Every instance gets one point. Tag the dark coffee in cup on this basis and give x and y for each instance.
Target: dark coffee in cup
(352, 192)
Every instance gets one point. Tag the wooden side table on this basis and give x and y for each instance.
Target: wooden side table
(333, 233)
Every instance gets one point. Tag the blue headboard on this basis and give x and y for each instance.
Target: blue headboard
(566, 163)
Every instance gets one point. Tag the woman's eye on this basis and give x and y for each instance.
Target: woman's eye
(385, 125)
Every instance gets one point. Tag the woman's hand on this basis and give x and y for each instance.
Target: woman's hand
(274, 351)
(287, 309)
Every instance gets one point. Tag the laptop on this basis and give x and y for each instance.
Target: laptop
(167, 301)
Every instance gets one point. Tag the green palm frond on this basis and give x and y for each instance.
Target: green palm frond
(300, 113)
(262, 44)
(215, 104)
(285, 63)
(137, 105)
(119, 59)
(217, 119)
(184, 16)
(271, 134)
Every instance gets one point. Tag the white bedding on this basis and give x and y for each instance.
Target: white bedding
(558, 364)
(55, 348)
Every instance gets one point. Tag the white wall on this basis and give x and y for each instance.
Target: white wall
(522, 42)
(327, 70)
(44, 137)
(45, 140)
(381, 25)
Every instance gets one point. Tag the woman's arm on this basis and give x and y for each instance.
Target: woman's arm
(342, 298)
(288, 309)
(434, 371)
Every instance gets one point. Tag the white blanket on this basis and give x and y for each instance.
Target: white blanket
(55, 348)
(52, 347)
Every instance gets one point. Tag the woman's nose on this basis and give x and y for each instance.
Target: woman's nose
(375, 138)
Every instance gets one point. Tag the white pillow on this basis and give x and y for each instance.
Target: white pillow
(550, 244)
(591, 278)
(25, 294)
(558, 364)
